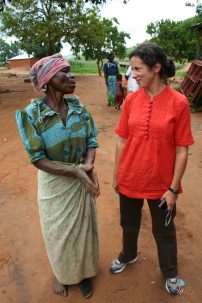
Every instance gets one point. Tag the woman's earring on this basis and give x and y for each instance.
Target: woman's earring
(44, 88)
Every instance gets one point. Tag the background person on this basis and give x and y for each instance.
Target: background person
(110, 71)
(125, 86)
(151, 155)
(60, 137)
(119, 92)
(132, 83)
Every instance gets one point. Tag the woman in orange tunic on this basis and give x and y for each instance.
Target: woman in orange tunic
(151, 154)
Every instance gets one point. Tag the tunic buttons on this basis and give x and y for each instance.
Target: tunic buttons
(147, 119)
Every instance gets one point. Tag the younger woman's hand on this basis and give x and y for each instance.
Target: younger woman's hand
(170, 198)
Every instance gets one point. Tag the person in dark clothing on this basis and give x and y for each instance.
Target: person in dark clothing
(110, 71)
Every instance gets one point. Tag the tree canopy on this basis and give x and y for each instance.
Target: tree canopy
(42, 26)
(8, 50)
(102, 38)
(177, 38)
(63, 3)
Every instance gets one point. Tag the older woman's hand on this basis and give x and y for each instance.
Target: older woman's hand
(88, 177)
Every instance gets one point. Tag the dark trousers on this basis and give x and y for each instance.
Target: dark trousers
(165, 237)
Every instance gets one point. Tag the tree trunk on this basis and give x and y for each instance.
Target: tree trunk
(100, 66)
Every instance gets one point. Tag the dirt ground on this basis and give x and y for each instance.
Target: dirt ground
(25, 273)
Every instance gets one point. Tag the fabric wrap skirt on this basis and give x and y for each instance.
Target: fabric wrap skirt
(111, 82)
(69, 226)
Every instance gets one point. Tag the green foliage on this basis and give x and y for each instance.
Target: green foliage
(198, 6)
(181, 74)
(102, 39)
(177, 88)
(2, 4)
(193, 107)
(8, 50)
(178, 65)
(177, 38)
(52, 22)
(62, 3)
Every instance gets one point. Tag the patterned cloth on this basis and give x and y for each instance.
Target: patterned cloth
(111, 70)
(69, 225)
(111, 80)
(44, 69)
(44, 134)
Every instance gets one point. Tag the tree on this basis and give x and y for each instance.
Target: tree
(2, 4)
(176, 38)
(8, 50)
(198, 6)
(53, 22)
(102, 39)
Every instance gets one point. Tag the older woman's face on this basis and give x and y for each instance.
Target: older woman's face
(63, 81)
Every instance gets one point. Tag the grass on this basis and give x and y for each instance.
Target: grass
(83, 67)
(181, 74)
(87, 67)
(90, 67)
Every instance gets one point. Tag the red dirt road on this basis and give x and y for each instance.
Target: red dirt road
(25, 273)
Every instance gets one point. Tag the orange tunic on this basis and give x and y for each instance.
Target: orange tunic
(153, 129)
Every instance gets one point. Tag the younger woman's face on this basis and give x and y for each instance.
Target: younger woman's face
(142, 73)
(63, 81)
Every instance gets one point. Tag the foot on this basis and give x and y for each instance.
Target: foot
(60, 289)
(86, 287)
(118, 266)
(174, 285)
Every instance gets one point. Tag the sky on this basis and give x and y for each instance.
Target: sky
(137, 14)
(134, 16)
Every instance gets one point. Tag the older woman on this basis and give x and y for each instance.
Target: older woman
(60, 137)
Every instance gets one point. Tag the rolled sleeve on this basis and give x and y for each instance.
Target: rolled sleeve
(30, 138)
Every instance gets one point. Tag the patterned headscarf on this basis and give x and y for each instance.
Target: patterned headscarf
(44, 69)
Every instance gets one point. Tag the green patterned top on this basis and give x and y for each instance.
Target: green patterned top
(44, 134)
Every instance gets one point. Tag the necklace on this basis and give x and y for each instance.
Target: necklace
(57, 113)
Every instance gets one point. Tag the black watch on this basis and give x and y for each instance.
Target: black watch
(174, 190)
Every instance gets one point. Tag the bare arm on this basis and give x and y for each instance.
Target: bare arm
(90, 156)
(120, 143)
(80, 173)
(179, 169)
(53, 168)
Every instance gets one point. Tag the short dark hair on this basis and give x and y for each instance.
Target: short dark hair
(119, 77)
(110, 55)
(150, 54)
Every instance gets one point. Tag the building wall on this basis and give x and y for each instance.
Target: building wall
(22, 63)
